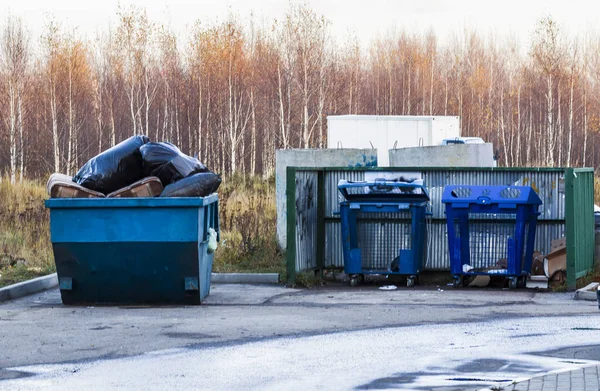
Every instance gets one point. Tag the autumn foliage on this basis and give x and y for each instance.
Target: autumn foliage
(235, 91)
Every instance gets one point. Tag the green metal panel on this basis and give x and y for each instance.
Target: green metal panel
(579, 198)
(291, 225)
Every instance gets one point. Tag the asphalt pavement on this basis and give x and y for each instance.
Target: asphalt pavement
(271, 337)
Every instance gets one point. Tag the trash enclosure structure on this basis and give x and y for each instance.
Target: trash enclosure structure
(367, 235)
(313, 229)
(491, 231)
(133, 250)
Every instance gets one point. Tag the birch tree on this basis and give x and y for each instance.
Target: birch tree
(15, 56)
(548, 53)
(51, 42)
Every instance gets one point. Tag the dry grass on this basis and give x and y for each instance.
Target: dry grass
(248, 229)
(25, 249)
(248, 226)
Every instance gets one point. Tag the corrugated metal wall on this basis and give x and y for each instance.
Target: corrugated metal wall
(306, 220)
(549, 185)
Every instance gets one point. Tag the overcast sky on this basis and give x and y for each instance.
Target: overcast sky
(366, 18)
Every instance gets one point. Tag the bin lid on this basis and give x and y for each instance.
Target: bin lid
(382, 190)
(487, 195)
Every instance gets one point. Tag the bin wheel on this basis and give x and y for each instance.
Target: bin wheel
(410, 281)
(522, 282)
(512, 282)
(356, 280)
(457, 282)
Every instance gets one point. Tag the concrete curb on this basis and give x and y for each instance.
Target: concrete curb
(244, 278)
(39, 284)
(587, 293)
(29, 287)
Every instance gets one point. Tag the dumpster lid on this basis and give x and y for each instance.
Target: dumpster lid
(137, 202)
(513, 195)
(382, 190)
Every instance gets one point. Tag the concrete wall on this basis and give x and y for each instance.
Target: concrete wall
(312, 158)
(457, 155)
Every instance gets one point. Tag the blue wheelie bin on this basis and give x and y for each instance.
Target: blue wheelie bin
(383, 227)
(491, 231)
(133, 250)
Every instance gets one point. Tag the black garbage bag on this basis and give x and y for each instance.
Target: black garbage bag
(196, 185)
(168, 163)
(117, 167)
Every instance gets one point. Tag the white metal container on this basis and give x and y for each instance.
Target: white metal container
(385, 132)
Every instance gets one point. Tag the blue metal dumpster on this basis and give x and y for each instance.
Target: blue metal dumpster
(367, 237)
(133, 250)
(491, 231)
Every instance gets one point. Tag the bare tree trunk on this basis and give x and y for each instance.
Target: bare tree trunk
(231, 123)
(550, 138)
(305, 122)
(511, 130)
(350, 87)
(21, 135)
(585, 122)
(199, 114)
(55, 140)
(13, 58)
(540, 137)
(147, 99)
(322, 97)
(131, 98)
(390, 89)
(431, 84)
(242, 164)
(208, 118)
(170, 125)
(165, 131)
(70, 135)
(76, 149)
(408, 91)
(13, 128)
(519, 135)
(501, 127)
(559, 126)
(321, 127)
(157, 134)
(113, 135)
(284, 137)
(446, 96)
(423, 95)
(189, 133)
(529, 133)
(253, 136)
(99, 117)
(177, 130)
(570, 139)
